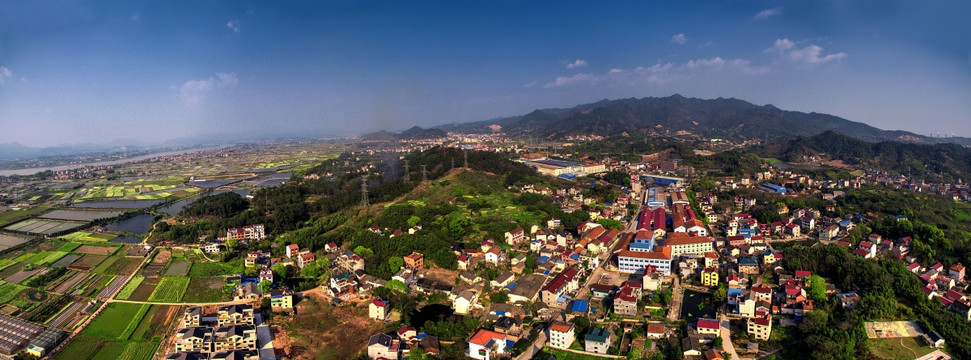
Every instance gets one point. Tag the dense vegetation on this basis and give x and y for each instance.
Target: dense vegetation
(223, 205)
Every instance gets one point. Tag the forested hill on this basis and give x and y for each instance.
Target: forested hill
(727, 118)
(917, 159)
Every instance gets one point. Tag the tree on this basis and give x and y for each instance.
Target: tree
(720, 295)
(499, 297)
(280, 270)
(610, 223)
(231, 243)
(397, 286)
(417, 354)
(817, 288)
(265, 286)
(395, 263)
(717, 342)
(363, 251)
(413, 221)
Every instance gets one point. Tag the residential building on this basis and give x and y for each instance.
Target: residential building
(382, 346)
(487, 344)
(236, 355)
(597, 340)
(655, 331)
(709, 277)
(193, 339)
(636, 262)
(247, 233)
(415, 261)
(760, 326)
(625, 303)
(466, 300)
(560, 335)
(281, 300)
(708, 326)
(515, 236)
(565, 282)
(379, 309)
(235, 315)
(192, 317)
(683, 243)
(234, 337)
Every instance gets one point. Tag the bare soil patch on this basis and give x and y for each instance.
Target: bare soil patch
(95, 250)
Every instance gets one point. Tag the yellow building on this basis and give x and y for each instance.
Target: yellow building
(709, 277)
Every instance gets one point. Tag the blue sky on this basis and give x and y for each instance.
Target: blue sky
(79, 71)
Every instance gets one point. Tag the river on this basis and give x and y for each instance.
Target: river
(31, 171)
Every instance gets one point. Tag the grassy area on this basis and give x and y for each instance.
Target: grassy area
(201, 269)
(566, 355)
(12, 216)
(68, 247)
(892, 348)
(170, 289)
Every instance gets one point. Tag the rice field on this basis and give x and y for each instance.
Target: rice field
(9, 241)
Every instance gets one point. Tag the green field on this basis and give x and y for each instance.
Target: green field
(87, 236)
(201, 269)
(170, 289)
(115, 321)
(69, 247)
(12, 216)
(44, 257)
(9, 290)
(86, 347)
(129, 288)
(208, 289)
(891, 348)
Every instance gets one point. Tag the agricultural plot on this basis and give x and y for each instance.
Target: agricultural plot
(177, 268)
(87, 236)
(88, 262)
(145, 289)
(208, 289)
(153, 269)
(45, 257)
(67, 285)
(170, 289)
(43, 227)
(9, 241)
(115, 321)
(117, 204)
(96, 250)
(112, 287)
(67, 260)
(69, 247)
(68, 316)
(80, 215)
(22, 275)
(117, 265)
(121, 331)
(129, 289)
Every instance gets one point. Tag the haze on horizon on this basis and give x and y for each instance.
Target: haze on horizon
(89, 72)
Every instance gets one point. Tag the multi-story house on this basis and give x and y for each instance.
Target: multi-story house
(561, 335)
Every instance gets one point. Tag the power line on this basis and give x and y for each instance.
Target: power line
(407, 173)
(424, 174)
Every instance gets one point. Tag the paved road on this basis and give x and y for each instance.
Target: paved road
(535, 348)
(726, 335)
(674, 307)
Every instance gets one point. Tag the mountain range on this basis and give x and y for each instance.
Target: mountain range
(711, 118)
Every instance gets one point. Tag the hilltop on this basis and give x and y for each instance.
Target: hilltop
(712, 118)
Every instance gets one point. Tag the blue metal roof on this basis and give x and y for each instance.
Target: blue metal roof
(579, 306)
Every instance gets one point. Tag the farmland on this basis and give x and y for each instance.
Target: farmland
(129, 288)
(208, 289)
(87, 236)
(79, 215)
(170, 289)
(9, 241)
(43, 227)
(122, 331)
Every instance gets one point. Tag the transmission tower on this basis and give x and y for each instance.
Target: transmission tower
(407, 173)
(364, 200)
(466, 155)
(424, 174)
(453, 164)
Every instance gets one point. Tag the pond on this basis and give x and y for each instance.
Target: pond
(119, 204)
(137, 225)
(693, 306)
(434, 312)
(177, 206)
(209, 184)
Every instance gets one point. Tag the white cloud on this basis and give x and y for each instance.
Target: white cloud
(4, 74)
(810, 55)
(529, 84)
(767, 13)
(233, 25)
(581, 78)
(679, 38)
(195, 91)
(659, 73)
(576, 64)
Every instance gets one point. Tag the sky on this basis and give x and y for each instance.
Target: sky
(98, 71)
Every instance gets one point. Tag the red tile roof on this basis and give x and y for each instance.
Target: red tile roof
(483, 336)
(708, 324)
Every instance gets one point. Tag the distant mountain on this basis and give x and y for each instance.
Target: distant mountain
(894, 156)
(715, 118)
(413, 133)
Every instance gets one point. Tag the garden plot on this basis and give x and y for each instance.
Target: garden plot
(112, 287)
(170, 289)
(208, 289)
(87, 236)
(69, 316)
(80, 215)
(24, 274)
(117, 265)
(145, 289)
(87, 262)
